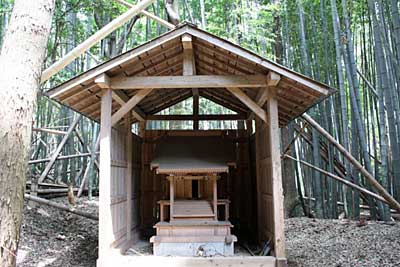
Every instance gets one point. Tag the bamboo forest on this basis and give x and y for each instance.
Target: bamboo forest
(330, 153)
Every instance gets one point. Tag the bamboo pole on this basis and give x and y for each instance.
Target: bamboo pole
(60, 157)
(49, 131)
(61, 207)
(95, 38)
(379, 188)
(58, 150)
(149, 15)
(338, 178)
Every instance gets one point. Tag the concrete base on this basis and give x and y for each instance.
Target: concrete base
(208, 249)
(147, 261)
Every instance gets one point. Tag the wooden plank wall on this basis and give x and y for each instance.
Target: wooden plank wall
(118, 186)
(118, 189)
(264, 183)
(136, 177)
(236, 186)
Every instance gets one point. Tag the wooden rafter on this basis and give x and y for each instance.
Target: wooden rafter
(171, 101)
(223, 101)
(240, 52)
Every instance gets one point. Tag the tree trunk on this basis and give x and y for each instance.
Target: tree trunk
(172, 10)
(21, 59)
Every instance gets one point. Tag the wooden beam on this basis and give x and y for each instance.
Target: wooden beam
(276, 177)
(263, 93)
(95, 38)
(121, 98)
(379, 188)
(149, 15)
(129, 105)
(58, 149)
(105, 180)
(194, 81)
(249, 103)
(103, 81)
(189, 68)
(205, 117)
(273, 78)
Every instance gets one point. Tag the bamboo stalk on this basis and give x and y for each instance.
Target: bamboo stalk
(379, 188)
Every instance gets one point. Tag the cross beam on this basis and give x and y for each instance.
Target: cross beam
(191, 81)
(103, 81)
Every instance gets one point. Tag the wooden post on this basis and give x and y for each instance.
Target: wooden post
(171, 198)
(215, 196)
(128, 174)
(105, 216)
(276, 175)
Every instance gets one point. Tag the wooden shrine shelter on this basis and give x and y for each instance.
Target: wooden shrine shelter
(190, 189)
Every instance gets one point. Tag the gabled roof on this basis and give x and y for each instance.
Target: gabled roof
(163, 56)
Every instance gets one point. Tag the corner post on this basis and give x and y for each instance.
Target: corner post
(105, 216)
(276, 176)
(171, 197)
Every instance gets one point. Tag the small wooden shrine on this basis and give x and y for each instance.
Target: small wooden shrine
(183, 182)
(192, 166)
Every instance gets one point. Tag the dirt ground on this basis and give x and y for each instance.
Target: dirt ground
(51, 237)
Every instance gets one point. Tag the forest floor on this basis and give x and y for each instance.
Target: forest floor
(51, 237)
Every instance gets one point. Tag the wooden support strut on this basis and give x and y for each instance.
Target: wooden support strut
(99, 35)
(103, 81)
(129, 105)
(245, 99)
(379, 188)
